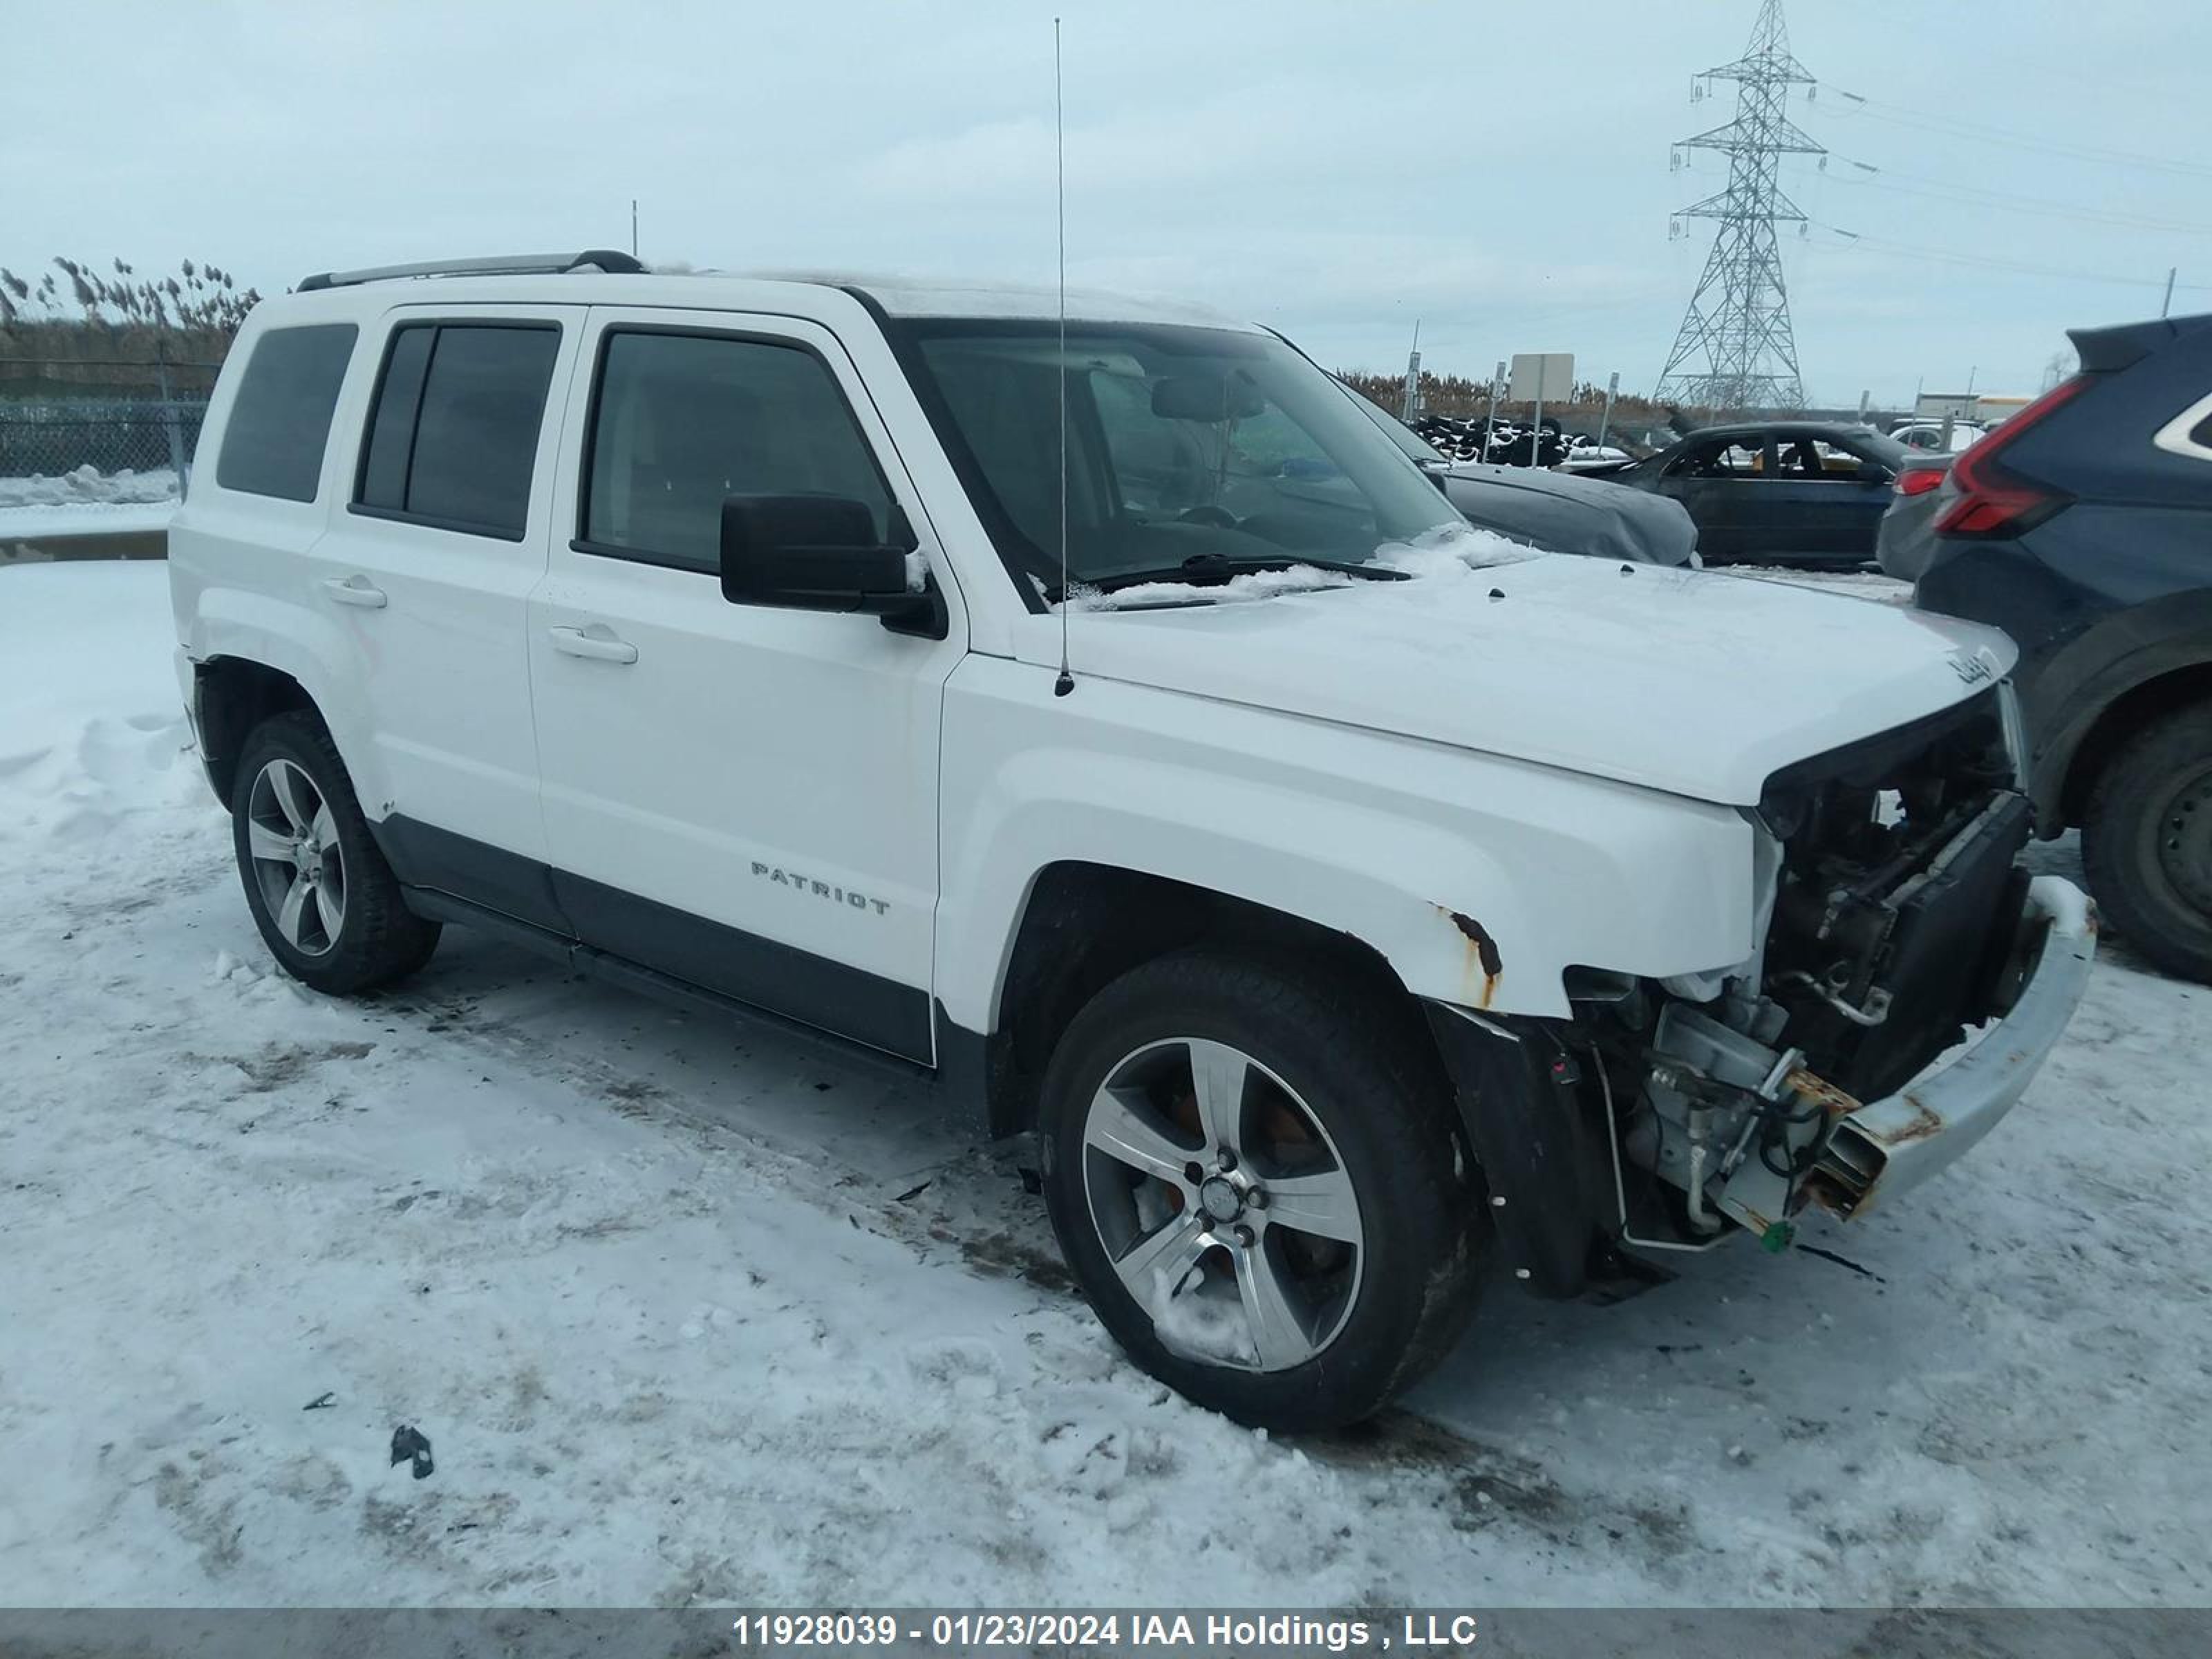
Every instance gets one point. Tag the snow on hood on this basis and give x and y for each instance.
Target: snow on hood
(1448, 553)
(1697, 682)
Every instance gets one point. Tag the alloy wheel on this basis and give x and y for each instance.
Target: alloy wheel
(1223, 1206)
(292, 840)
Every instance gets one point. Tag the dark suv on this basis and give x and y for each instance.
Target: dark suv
(2083, 527)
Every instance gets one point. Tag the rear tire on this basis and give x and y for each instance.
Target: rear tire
(2147, 841)
(1304, 1280)
(327, 904)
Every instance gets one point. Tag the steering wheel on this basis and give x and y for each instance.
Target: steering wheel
(1220, 517)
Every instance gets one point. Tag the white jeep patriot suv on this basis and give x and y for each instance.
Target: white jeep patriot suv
(1362, 897)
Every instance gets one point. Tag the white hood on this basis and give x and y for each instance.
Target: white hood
(1697, 682)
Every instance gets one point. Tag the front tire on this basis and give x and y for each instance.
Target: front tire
(1254, 1178)
(2147, 841)
(327, 904)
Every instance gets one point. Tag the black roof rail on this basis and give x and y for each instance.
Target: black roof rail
(496, 265)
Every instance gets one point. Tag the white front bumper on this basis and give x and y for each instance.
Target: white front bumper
(1890, 1145)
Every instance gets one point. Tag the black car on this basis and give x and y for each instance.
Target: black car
(2083, 527)
(1776, 492)
(1559, 512)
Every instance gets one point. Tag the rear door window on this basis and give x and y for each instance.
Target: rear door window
(280, 422)
(453, 439)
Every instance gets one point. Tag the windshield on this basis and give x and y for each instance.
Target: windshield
(1200, 451)
(1417, 449)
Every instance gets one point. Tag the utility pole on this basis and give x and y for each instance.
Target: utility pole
(633, 226)
(179, 462)
(1411, 405)
(2165, 305)
(1735, 350)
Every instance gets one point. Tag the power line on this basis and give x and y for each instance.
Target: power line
(1984, 132)
(1974, 195)
(1858, 239)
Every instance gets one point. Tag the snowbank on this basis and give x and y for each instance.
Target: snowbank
(87, 488)
(86, 504)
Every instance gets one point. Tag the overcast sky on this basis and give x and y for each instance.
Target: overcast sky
(1500, 172)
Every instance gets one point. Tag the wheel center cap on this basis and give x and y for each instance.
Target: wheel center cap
(1220, 1198)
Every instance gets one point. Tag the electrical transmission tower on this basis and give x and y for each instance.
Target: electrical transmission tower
(1734, 349)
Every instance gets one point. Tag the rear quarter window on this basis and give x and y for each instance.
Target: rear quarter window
(280, 421)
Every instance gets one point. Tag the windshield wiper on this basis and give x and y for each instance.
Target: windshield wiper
(1202, 568)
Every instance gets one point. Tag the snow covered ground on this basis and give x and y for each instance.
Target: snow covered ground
(693, 1312)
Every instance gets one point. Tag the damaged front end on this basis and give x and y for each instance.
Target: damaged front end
(1894, 921)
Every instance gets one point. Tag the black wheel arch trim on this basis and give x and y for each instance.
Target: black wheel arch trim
(1515, 1087)
(2092, 675)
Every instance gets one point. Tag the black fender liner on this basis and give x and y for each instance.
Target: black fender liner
(1517, 1087)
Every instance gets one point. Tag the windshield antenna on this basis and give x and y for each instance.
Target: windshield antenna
(1066, 682)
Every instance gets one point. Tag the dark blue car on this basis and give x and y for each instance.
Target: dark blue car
(2083, 527)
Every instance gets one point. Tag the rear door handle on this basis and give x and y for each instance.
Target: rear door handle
(356, 590)
(597, 642)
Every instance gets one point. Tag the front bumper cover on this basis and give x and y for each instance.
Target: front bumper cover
(1544, 1169)
(1886, 1147)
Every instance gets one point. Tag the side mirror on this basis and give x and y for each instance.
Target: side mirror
(822, 553)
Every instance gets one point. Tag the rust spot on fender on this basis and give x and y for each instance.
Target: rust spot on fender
(1478, 936)
(1482, 953)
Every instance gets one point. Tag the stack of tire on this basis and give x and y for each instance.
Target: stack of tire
(1509, 444)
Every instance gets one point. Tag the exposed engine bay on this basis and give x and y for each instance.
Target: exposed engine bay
(1892, 906)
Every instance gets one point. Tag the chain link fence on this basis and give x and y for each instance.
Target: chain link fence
(56, 438)
(85, 419)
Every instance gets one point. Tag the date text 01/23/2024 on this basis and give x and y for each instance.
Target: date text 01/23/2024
(1168, 1632)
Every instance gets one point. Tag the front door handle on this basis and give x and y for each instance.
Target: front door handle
(597, 642)
(356, 590)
